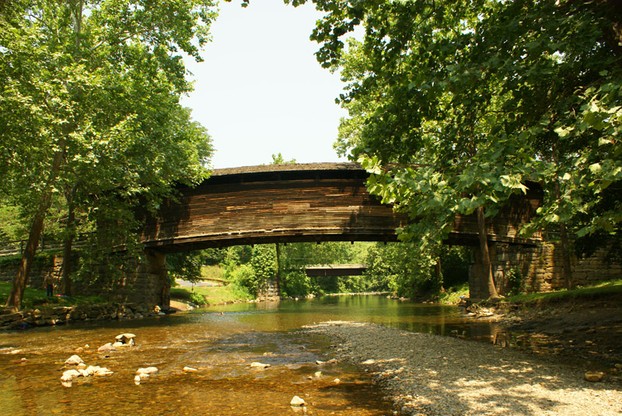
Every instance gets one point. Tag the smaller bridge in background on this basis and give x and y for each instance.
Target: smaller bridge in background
(335, 270)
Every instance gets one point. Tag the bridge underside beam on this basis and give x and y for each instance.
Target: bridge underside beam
(203, 242)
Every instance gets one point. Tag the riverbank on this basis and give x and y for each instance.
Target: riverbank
(48, 315)
(424, 374)
(584, 330)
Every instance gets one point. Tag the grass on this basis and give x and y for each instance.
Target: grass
(613, 287)
(211, 295)
(212, 272)
(215, 295)
(454, 294)
(34, 298)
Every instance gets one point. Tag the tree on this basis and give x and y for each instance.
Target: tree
(90, 105)
(278, 159)
(453, 105)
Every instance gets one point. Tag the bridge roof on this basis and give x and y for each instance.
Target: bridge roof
(288, 167)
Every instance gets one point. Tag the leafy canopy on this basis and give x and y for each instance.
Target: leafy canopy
(453, 105)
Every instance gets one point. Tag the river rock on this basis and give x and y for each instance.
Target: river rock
(297, 401)
(594, 376)
(187, 369)
(74, 360)
(106, 348)
(126, 339)
(69, 375)
(146, 372)
(259, 365)
(96, 370)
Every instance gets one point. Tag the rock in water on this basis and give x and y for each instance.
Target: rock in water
(126, 339)
(259, 365)
(297, 401)
(106, 348)
(96, 370)
(146, 372)
(74, 360)
(189, 370)
(70, 375)
(594, 376)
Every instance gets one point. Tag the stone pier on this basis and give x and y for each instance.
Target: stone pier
(538, 268)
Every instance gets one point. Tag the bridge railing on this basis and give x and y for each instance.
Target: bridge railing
(17, 247)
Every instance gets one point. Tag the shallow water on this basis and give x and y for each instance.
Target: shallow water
(220, 343)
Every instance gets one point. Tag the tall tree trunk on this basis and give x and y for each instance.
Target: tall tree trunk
(21, 278)
(278, 269)
(70, 234)
(438, 273)
(487, 275)
(564, 240)
(564, 243)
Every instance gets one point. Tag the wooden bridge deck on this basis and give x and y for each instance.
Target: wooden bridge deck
(298, 203)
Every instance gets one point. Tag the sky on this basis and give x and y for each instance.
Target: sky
(260, 90)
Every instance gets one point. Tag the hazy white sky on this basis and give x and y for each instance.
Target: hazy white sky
(260, 90)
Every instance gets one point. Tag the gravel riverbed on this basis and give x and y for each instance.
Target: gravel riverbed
(427, 374)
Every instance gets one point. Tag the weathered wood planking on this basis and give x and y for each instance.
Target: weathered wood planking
(313, 202)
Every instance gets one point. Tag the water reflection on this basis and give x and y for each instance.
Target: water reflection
(220, 343)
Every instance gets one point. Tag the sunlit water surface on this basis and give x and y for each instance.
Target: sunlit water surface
(221, 343)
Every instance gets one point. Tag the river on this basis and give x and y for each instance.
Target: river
(220, 343)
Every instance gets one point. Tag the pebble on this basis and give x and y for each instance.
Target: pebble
(425, 374)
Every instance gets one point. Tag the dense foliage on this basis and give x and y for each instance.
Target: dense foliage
(453, 105)
(399, 269)
(392, 268)
(90, 112)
